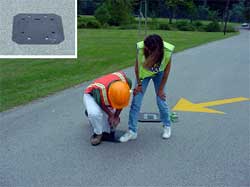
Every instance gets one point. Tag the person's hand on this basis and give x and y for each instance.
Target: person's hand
(162, 95)
(111, 119)
(137, 89)
(116, 121)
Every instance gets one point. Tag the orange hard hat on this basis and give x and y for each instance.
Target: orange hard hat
(119, 94)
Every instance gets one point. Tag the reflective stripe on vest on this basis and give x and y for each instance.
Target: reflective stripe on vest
(143, 73)
(104, 93)
(120, 75)
(102, 84)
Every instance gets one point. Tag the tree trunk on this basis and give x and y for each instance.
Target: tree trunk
(226, 17)
(170, 15)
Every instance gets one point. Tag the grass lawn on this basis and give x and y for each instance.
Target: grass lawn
(99, 52)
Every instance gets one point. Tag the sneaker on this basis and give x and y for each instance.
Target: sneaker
(130, 135)
(96, 139)
(166, 132)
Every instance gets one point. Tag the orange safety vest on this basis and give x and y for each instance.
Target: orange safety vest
(103, 83)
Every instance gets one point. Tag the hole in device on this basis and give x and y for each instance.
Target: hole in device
(52, 19)
(46, 38)
(53, 32)
(22, 32)
(37, 19)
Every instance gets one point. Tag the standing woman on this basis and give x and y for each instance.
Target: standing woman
(153, 61)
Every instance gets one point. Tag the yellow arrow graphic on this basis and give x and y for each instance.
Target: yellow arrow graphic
(185, 105)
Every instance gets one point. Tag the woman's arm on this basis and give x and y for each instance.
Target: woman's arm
(161, 93)
(137, 70)
(138, 87)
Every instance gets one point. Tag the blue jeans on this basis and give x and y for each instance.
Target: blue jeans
(137, 101)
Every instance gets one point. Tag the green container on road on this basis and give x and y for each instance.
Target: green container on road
(174, 117)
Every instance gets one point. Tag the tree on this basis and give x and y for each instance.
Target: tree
(87, 7)
(247, 14)
(203, 12)
(213, 15)
(237, 12)
(226, 17)
(191, 9)
(114, 12)
(102, 14)
(120, 11)
(172, 6)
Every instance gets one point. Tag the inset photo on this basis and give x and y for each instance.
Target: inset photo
(38, 29)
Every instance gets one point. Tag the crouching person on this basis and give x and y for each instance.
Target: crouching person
(104, 100)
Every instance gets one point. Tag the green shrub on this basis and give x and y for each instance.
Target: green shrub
(102, 14)
(184, 26)
(230, 28)
(120, 12)
(81, 22)
(85, 18)
(187, 28)
(153, 24)
(164, 26)
(213, 27)
(201, 28)
(179, 24)
(198, 24)
(105, 25)
(93, 24)
(87, 22)
(129, 26)
(81, 25)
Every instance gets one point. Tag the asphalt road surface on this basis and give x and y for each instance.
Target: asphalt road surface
(46, 143)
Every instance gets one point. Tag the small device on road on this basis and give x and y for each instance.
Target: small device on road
(37, 29)
(155, 117)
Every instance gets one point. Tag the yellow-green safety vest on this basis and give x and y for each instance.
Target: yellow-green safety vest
(143, 73)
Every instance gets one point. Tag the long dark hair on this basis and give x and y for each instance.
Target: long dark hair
(153, 50)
